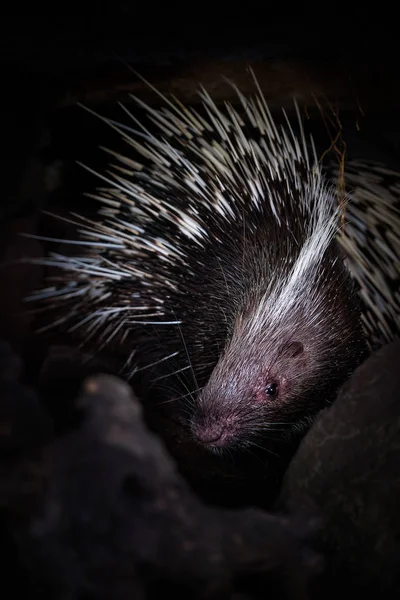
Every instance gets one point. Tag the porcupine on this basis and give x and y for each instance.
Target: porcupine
(218, 263)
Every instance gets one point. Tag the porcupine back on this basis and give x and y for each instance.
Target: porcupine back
(215, 266)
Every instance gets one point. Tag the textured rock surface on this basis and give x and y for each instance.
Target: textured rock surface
(348, 464)
(102, 512)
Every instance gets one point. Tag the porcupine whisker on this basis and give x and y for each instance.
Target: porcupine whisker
(173, 373)
(251, 444)
(190, 394)
(169, 374)
(161, 403)
(265, 435)
(153, 364)
(264, 427)
(185, 411)
(224, 276)
(245, 448)
(267, 426)
(171, 390)
(229, 457)
(181, 397)
(187, 355)
(195, 391)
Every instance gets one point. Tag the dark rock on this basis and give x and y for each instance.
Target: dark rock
(60, 379)
(10, 363)
(24, 424)
(348, 464)
(118, 521)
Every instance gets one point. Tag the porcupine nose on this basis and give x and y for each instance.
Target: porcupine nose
(210, 433)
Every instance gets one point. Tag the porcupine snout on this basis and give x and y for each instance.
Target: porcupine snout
(241, 393)
(217, 418)
(214, 431)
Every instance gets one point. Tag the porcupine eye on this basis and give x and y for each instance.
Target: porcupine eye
(271, 389)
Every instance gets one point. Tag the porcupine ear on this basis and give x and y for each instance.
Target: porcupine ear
(292, 349)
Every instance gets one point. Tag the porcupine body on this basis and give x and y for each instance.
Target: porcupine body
(215, 265)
